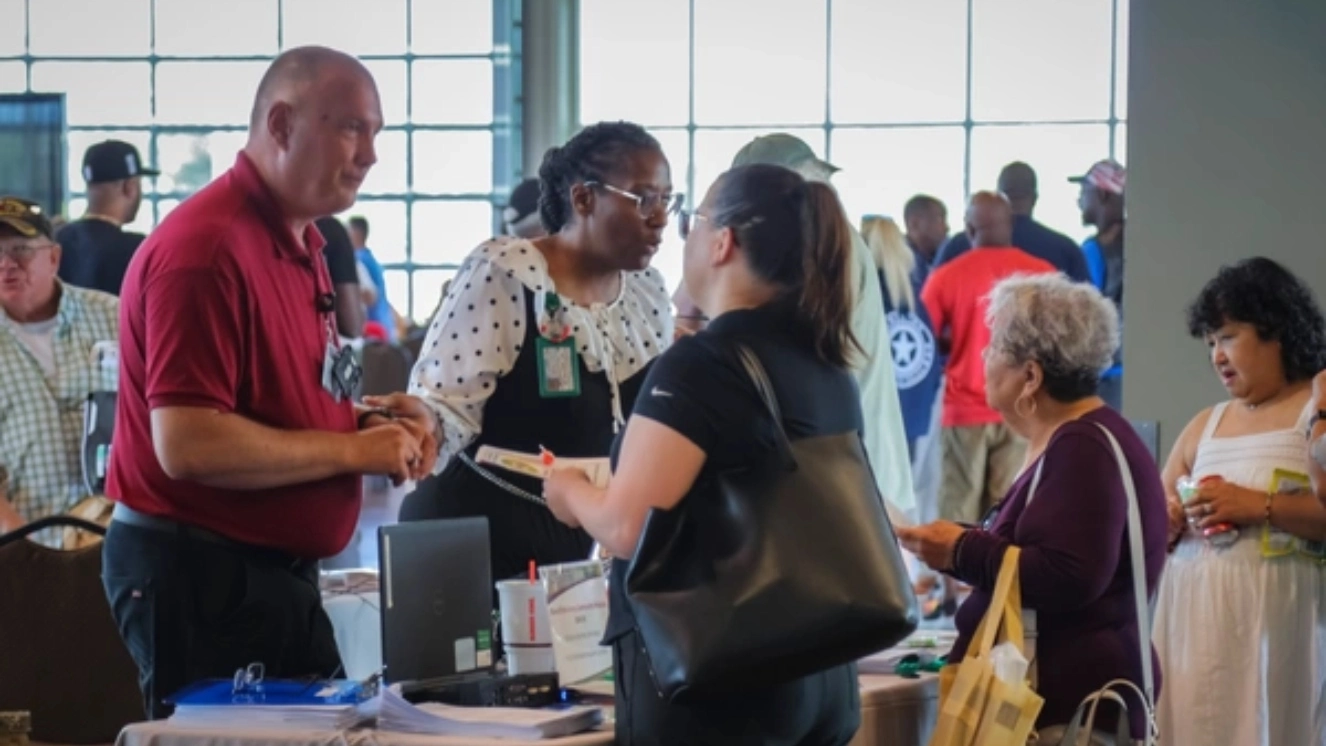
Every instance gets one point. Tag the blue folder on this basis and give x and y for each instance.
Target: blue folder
(271, 692)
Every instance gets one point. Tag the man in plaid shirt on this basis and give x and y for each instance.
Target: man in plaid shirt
(47, 334)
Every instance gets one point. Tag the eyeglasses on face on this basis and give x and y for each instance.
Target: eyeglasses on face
(22, 253)
(686, 220)
(647, 205)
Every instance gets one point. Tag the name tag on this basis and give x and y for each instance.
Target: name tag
(559, 368)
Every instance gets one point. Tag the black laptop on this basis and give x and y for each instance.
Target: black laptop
(437, 600)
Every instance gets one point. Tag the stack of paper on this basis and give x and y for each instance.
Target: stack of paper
(886, 661)
(432, 718)
(279, 705)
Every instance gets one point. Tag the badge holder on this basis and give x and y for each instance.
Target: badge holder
(555, 350)
(340, 372)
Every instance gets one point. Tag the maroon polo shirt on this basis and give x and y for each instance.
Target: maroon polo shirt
(219, 310)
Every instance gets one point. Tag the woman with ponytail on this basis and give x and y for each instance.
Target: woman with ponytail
(768, 258)
(545, 343)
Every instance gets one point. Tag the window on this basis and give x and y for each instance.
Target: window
(904, 97)
(177, 80)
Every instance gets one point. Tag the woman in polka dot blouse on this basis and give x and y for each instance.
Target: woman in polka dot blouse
(545, 343)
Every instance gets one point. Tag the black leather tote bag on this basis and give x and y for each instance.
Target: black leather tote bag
(772, 573)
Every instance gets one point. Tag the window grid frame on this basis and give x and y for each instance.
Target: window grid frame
(504, 58)
(828, 124)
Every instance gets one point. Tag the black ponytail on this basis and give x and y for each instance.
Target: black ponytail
(593, 154)
(795, 235)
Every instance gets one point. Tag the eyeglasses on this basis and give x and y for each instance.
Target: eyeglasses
(646, 204)
(22, 254)
(685, 221)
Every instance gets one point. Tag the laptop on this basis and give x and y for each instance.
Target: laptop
(437, 600)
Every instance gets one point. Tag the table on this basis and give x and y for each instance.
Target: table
(897, 711)
(162, 733)
(357, 623)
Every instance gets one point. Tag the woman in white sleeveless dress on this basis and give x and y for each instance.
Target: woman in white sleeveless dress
(1239, 628)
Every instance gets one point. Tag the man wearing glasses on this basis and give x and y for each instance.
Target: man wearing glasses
(47, 334)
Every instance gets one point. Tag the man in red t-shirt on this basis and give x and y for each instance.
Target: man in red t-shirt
(982, 456)
(237, 452)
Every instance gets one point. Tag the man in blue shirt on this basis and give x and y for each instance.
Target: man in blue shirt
(1101, 201)
(1017, 182)
(380, 309)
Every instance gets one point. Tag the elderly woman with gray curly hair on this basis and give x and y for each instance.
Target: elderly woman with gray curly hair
(1050, 339)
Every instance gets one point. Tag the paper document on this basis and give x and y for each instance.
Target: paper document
(398, 714)
(534, 465)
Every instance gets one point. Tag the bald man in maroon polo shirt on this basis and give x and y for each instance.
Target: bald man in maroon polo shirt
(237, 452)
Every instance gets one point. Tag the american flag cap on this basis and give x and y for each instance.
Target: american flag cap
(1107, 175)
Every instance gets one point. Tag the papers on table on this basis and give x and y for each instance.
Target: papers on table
(432, 718)
(535, 465)
(934, 642)
(275, 704)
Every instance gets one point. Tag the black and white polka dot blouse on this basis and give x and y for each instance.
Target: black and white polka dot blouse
(476, 336)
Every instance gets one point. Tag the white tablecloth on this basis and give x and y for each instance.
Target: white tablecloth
(357, 622)
(163, 733)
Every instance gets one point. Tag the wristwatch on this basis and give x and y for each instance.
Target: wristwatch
(1316, 417)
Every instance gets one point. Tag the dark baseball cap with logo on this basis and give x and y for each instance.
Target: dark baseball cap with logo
(25, 216)
(113, 160)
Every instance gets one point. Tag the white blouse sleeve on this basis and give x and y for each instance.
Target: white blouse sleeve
(473, 341)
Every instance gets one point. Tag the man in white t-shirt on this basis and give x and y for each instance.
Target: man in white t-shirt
(48, 331)
(885, 437)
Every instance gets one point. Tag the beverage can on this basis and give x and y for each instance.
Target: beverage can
(1220, 534)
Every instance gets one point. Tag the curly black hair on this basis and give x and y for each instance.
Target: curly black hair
(591, 155)
(1261, 292)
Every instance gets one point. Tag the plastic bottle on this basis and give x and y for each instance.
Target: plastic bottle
(1220, 534)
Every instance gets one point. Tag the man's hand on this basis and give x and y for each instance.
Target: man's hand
(389, 449)
(1319, 390)
(411, 413)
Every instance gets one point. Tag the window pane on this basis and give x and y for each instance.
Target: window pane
(1055, 151)
(98, 92)
(714, 150)
(78, 141)
(749, 72)
(390, 77)
(676, 146)
(82, 28)
(199, 29)
(428, 292)
(1121, 143)
(346, 25)
(164, 207)
(883, 168)
(627, 74)
(75, 208)
(451, 26)
(1061, 73)
(189, 162)
(387, 175)
(1121, 61)
(13, 76)
(445, 232)
(398, 289)
(453, 162)
(899, 61)
(453, 92)
(12, 31)
(207, 92)
(386, 228)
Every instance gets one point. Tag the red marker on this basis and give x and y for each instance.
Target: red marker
(546, 456)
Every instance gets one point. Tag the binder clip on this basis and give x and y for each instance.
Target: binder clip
(248, 681)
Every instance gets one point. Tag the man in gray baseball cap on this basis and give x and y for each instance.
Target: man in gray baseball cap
(885, 437)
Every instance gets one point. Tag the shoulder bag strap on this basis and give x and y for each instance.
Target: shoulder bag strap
(1138, 558)
(755, 370)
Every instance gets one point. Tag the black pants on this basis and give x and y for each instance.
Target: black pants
(191, 609)
(823, 709)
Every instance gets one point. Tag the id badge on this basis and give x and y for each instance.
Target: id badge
(329, 382)
(559, 369)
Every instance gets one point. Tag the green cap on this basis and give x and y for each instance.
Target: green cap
(779, 149)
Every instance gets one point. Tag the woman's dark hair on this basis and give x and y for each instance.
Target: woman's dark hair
(1262, 293)
(593, 154)
(794, 235)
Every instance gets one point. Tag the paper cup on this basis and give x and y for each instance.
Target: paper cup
(526, 630)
